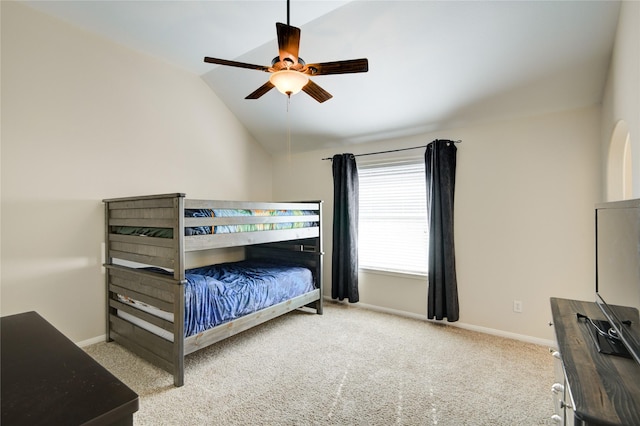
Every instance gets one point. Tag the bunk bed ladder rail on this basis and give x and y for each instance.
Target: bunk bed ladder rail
(162, 291)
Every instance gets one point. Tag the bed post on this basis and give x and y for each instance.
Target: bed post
(320, 263)
(178, 302)
(108, 260)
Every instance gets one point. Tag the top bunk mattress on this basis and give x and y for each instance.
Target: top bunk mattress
(226, 228)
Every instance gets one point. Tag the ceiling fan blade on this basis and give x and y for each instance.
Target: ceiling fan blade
(236, 64)
(316, 92)
(337, 67)
(261, 90)
(288, 42)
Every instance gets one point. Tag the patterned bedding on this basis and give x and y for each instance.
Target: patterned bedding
(223, 229)
(220, 293)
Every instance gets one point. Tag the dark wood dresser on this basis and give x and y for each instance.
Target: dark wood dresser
(601, 389)
(47, 379)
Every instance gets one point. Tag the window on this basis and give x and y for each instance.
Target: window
(392, 230)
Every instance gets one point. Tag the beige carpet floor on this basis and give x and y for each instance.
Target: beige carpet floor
(350, 366)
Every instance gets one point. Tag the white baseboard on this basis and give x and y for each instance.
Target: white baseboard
(471, 327)
(92, 341)
(507, 334)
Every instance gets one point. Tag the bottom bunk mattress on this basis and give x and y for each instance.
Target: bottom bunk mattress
(220, 293)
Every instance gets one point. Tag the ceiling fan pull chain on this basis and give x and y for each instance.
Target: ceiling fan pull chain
(288, 129)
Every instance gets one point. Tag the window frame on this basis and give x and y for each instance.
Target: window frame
(400, 270)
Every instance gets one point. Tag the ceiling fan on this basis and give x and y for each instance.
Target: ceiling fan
(289, 72)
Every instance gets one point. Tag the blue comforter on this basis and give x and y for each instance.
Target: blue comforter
(220, 293)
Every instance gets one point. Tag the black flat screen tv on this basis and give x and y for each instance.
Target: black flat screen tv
(618, 270)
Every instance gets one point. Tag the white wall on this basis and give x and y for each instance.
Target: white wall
(525, 191)
(85, 119)
(622, 97)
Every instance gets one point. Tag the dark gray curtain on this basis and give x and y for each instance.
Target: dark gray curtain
(440, 171)
(344, 283)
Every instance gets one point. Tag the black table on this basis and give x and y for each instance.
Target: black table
(47, 379)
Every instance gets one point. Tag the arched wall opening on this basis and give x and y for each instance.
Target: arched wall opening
(620, 164)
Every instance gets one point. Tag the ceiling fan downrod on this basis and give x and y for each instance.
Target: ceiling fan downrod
(288, 13)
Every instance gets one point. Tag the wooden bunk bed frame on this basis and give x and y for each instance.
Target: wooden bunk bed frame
(301, 245)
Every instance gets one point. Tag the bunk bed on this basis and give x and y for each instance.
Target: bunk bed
(156, 306)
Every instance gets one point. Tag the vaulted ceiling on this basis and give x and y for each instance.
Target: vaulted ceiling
(432, 64)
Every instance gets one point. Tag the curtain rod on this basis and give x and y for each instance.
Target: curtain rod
(394, 150)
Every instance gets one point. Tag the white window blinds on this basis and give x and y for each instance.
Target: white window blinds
(393, 234)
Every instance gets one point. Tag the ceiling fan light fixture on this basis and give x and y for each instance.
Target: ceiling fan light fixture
(288, 82)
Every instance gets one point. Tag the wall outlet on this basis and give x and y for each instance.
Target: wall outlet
(517, 306)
